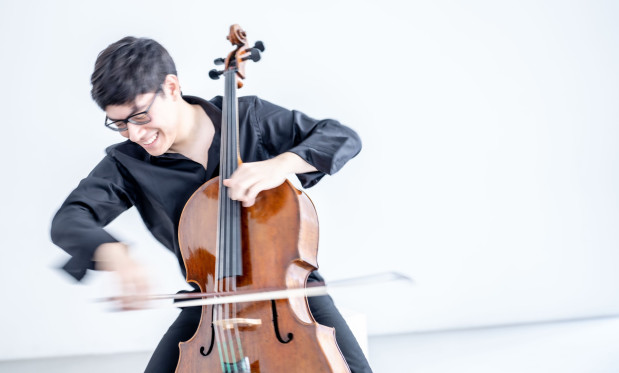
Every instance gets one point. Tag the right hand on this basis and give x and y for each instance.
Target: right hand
(132, 277)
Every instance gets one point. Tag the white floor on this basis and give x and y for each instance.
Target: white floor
(585, 346)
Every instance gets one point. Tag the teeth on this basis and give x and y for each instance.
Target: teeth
(150, 141)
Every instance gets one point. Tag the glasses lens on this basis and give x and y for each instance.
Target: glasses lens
(118, 125)
(141, 118)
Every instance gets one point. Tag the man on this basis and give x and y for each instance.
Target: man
(172, 149)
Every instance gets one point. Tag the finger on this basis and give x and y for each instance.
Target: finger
(142, 288)
(232, 189)
(263, 184)
(245, 173)
(240, 191)
(141, 285)
(134, 287)
(252, 193)
(243, 186)
(126, 289)
(249, 202)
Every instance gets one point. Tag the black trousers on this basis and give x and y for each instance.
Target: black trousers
(166, 354)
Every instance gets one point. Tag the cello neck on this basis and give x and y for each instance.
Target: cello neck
(229, 156)
(229, 261)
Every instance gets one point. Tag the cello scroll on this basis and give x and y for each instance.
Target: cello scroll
(236, 59)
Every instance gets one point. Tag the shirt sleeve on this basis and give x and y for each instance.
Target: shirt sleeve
(325, 144)
(77, 227)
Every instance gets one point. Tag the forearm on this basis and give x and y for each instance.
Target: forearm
(325, 144)
(291, 163)
(251, 178)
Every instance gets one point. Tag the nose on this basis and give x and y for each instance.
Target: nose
(136, 132)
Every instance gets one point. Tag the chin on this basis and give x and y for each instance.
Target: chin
(154, 152)
(158, 148)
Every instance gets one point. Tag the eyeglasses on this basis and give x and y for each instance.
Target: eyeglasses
(138, 118)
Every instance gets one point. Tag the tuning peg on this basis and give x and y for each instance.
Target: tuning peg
(259, 45)
(214, 74)
(219, 61)
(253, 54)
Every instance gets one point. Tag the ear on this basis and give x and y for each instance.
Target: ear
(171, 87)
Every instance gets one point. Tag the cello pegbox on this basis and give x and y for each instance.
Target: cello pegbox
(236, 59)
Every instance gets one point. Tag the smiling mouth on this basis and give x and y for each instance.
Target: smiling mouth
(152, 139)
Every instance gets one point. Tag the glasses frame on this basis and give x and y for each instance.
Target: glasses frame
(129, 120)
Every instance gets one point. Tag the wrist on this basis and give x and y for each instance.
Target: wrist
(111, 256)
(292, 163)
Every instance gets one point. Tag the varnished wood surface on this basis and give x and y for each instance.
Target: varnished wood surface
(279, 245)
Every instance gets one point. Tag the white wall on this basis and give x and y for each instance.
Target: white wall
(489, 171)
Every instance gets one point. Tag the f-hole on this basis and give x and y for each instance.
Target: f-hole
(276, 325)
(210, 348)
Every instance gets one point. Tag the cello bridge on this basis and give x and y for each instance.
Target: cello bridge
(227, 324)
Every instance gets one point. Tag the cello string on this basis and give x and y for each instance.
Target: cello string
(227, 312)
(235, 240)
(218, 263)
(218, 271)
(217, 283)
(228, 216)
(217, 308)
(222, 352)
(231, 206)
(236, 211)
(223, 197)
(227, 204)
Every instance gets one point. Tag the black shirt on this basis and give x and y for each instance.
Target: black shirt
(160, 186)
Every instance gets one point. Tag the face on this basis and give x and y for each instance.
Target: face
(157, 136)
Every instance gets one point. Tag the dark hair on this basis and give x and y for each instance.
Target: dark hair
(128, 68)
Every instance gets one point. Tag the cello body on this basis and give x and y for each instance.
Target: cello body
(279, 241)
(228, 248)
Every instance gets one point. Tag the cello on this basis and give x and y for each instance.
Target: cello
(228, 248)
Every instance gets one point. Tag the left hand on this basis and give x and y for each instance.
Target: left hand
(252, 178)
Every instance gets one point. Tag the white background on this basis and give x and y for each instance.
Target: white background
(489, 172)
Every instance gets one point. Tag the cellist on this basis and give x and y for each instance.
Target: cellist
(172, 148)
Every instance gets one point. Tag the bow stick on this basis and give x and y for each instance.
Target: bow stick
(311, 290)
